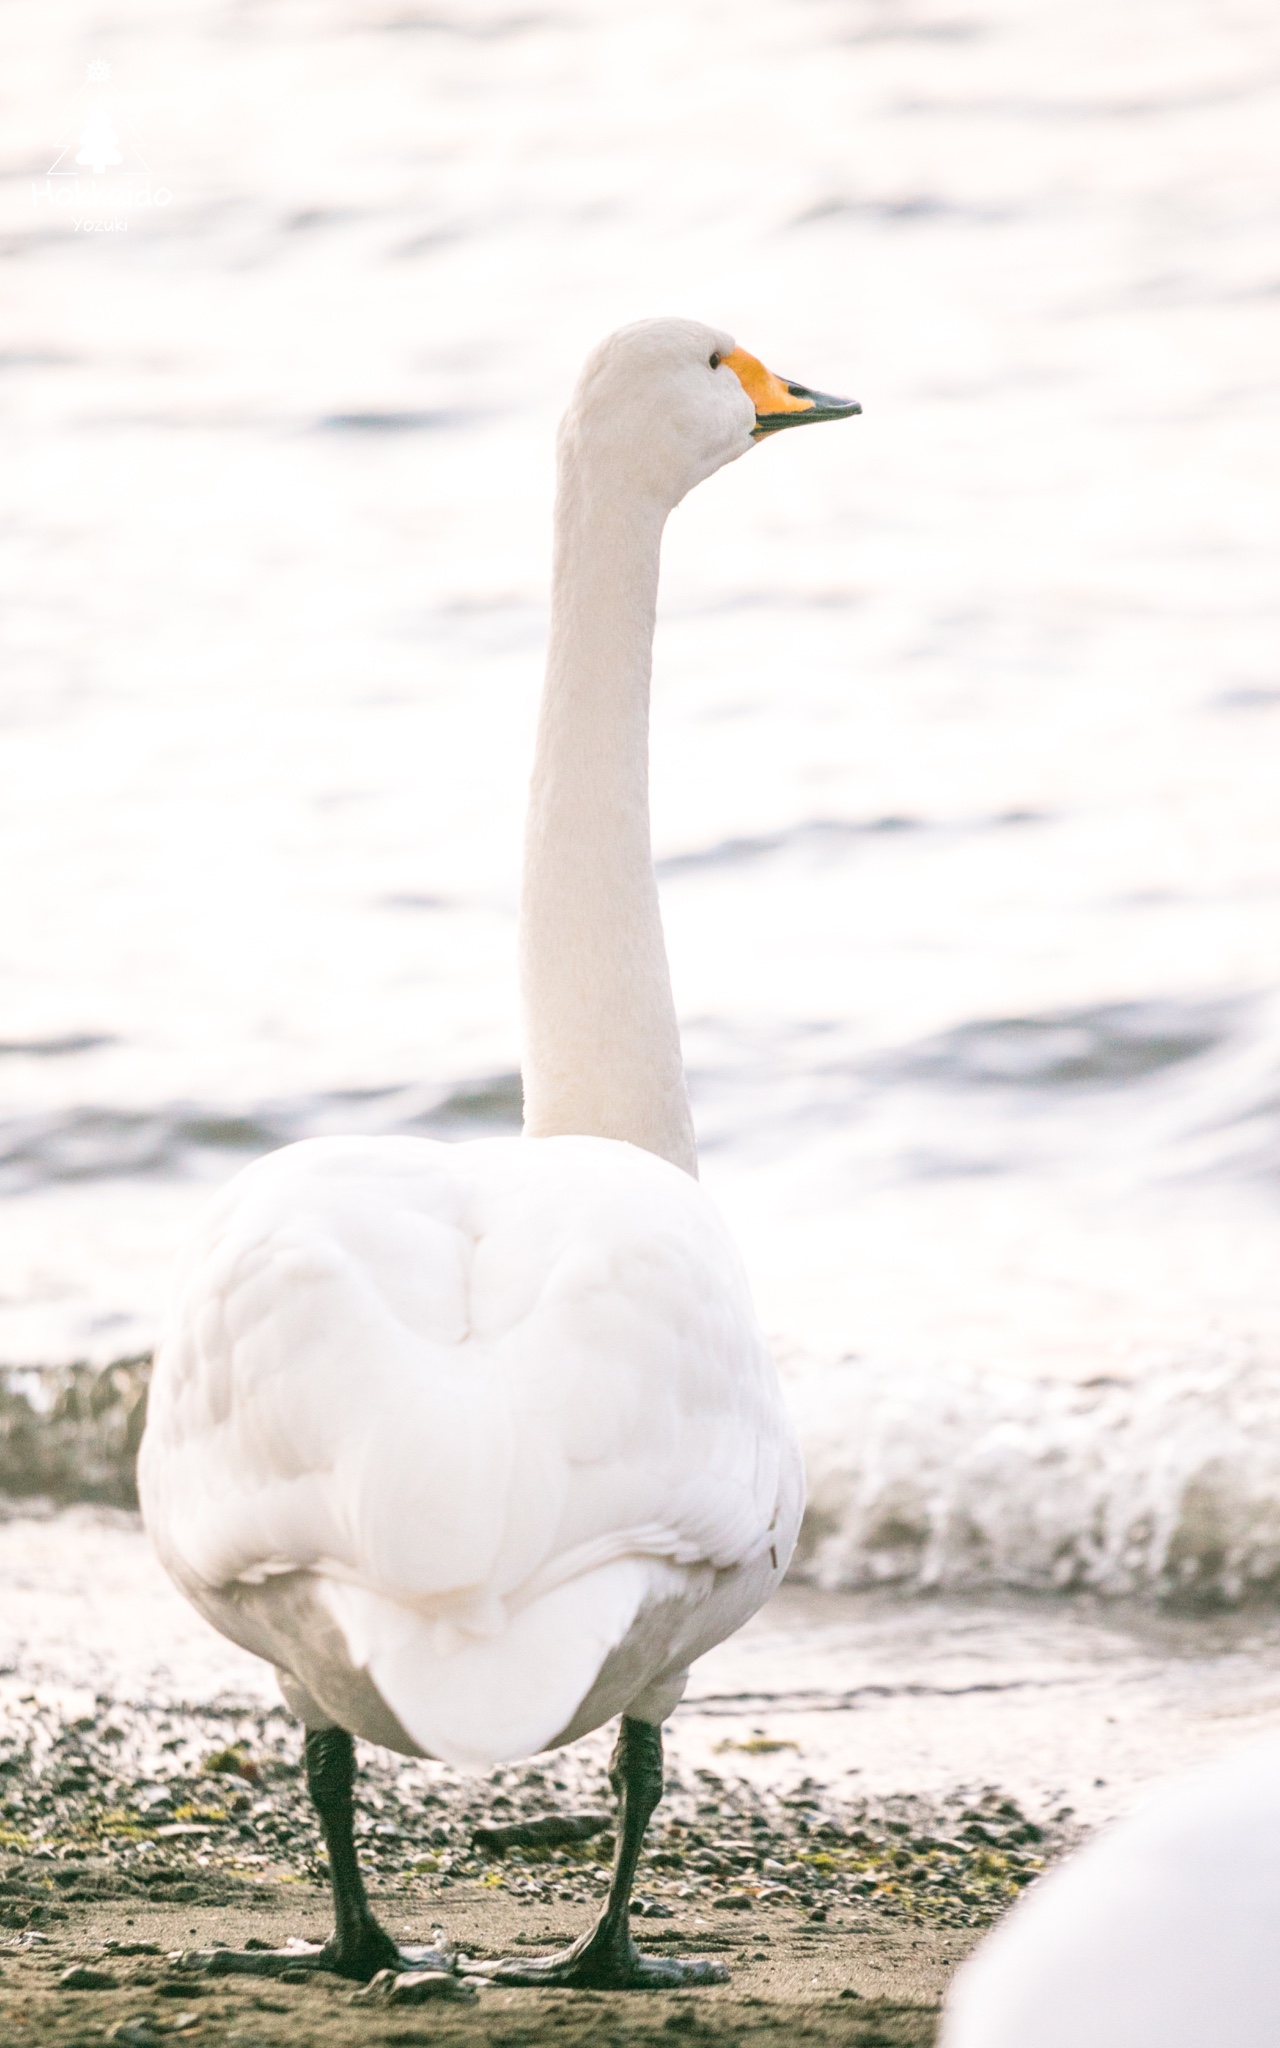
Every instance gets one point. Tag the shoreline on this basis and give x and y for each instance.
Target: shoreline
(1059, 1702)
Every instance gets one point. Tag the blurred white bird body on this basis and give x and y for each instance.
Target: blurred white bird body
(481, 1444)
(1160, 1933)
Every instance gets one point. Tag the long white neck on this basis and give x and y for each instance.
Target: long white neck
(601, 1043)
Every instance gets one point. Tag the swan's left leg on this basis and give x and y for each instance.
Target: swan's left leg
(606, 1958)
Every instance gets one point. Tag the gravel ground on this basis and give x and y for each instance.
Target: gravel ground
(199, 1804)
(131, 1835)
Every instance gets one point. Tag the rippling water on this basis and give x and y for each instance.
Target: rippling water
(965, 721)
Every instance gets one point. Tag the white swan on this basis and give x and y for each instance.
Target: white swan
(481, 1444)
(1162, 1933)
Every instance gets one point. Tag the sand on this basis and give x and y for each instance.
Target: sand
(861, 1978)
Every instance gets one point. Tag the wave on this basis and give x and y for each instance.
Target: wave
(54, 1048)
(1093, 1047)
(71, 1432)
(1165, 1487)
(828, 838)
(187, 1140)
(815, 834)
(734, 1086)
(439, 421)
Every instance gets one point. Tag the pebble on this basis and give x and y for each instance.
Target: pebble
(376, 1990)
(414, 1987)
(83, 1977)
(142, 2031)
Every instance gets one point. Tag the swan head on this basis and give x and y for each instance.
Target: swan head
(662, 404)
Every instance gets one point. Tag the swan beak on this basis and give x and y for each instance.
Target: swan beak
(780, 403)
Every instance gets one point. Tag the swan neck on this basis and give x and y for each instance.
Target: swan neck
(601, 1042)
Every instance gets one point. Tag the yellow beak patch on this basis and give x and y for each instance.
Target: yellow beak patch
(767, 393)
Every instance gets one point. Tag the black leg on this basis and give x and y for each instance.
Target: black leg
(358, 1946)
(606, 1958)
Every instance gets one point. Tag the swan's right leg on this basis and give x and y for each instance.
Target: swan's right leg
(358, 1946)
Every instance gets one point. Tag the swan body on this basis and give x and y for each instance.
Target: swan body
(1161, 1933)
(481, 1444)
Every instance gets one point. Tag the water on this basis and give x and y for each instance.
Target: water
(965, 712)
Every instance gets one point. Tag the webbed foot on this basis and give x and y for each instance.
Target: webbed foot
(359, 1960)
(600, 1961)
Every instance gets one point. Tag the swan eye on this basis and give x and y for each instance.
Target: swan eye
(715, 359)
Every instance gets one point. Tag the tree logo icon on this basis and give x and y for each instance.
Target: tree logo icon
(97, 134)
(98, 143)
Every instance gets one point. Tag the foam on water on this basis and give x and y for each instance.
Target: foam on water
(1167, 1485)
(965, 716)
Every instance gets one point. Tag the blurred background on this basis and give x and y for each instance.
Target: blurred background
(965, 717)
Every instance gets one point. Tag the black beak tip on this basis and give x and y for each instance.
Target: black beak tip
(824, 407)
(828, 408)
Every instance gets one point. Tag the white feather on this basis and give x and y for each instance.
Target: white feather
(1161, 1933)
